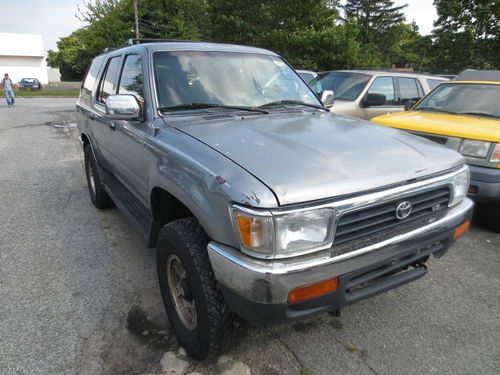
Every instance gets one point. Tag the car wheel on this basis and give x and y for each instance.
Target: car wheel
(200, 319)
(98, 195)
(488, 216)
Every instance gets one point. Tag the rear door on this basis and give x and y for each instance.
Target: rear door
(410, 89)
(101, 126)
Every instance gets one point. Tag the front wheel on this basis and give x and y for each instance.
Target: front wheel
(200, 319)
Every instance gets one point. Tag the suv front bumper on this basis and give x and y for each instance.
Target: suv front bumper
(257, 290)
(485, 184)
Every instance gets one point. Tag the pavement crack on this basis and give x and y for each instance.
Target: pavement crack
(355, 352)
(20, 127)
(285, 345)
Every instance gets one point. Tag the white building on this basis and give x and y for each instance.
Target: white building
(22, 56)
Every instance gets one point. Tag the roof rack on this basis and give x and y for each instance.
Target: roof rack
(133, 41)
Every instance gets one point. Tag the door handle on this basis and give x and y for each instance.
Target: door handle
(112, 125)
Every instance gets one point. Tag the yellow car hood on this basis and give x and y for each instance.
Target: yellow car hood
(470, 127)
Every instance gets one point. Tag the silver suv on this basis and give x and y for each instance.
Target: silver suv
(260, 202)
(366, 93)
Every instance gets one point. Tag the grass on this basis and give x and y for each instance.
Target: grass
(30, 94)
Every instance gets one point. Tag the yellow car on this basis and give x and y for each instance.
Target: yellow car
(463, 114)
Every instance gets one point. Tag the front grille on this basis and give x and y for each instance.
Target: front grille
(433, 138)
(382, 217)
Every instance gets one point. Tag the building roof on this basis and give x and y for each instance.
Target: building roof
(21, 45)
(478, 75)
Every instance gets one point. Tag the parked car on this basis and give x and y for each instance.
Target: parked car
(366, 94)
(307, 75)
(30, 84)
(464, 115)
(260, 202)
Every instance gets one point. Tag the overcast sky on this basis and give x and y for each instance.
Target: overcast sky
(56, 18)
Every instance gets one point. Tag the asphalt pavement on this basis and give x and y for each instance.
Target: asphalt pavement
(79, 295)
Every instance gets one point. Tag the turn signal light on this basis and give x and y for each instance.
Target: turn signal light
(306, 292)
(461, 229)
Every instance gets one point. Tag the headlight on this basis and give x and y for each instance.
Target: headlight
(303, 231)
(460, 187)
(280, 236)
(495, 155)
(477, 149)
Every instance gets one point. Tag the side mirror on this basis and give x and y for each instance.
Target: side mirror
(372, 100)
(328, 98)
(409, 105)
(122, 107)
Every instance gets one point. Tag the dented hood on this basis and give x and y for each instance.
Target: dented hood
(309, 155)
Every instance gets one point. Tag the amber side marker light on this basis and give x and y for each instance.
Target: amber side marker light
(306, 292)
(461, 229)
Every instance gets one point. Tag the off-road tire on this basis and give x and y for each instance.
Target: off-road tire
(488, 216)
(186, 239)
(98, 195)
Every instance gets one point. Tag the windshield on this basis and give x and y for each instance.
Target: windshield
(463, 98)
(226, 79)
(345, 86)
(28, 80)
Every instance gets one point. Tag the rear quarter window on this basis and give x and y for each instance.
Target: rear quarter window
(433, 83)
(91, 76)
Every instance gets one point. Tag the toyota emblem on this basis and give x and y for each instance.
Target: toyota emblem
(403, 210)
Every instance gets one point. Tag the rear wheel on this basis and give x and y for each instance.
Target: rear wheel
(489, 216)
(200, 319)
(98, 195)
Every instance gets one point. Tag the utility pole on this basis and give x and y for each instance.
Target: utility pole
(136, 13)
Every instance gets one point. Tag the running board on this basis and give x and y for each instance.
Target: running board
(129, 206)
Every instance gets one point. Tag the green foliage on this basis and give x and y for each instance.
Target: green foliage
(312, 34)
(466, 35)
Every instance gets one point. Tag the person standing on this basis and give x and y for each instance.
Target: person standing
(6, 84)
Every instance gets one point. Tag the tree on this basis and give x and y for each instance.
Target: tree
(375, 18)
(466, 34)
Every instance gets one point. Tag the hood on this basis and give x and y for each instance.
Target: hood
(471, 127)
(310, 155)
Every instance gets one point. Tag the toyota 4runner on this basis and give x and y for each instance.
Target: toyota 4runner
(260, 202)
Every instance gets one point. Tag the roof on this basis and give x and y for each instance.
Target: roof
(388, 73)
(21, 45)
(478, 75)
(196, 46)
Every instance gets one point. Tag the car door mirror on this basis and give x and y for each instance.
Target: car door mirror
(327, 98)
(372, 100)
(122, 107)
(409, 105)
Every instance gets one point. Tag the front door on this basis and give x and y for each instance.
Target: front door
(382, 86)
(126, 138)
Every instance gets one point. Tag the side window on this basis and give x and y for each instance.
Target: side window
(433, 83)
(91, 76)
(131, 80)
(408, 90)
(383, 86)
(107, 84)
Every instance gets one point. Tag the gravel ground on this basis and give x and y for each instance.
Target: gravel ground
(79, 294)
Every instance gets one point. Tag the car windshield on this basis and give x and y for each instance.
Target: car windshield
(345, 86)
(28, 80)
(188, 79)
(473, 99)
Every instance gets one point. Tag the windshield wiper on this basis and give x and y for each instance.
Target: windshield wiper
(188, 106)
(279, 103)
(481, 114)
(432, 109)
